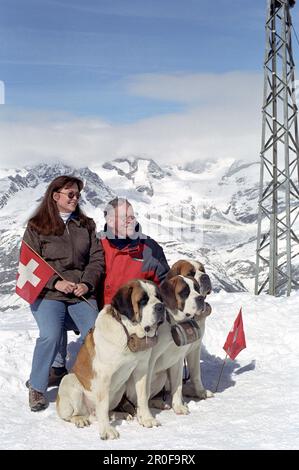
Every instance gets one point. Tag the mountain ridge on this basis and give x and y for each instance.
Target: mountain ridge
(209, 215)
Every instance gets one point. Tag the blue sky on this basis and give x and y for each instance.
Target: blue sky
(77, 55)
(93, 59)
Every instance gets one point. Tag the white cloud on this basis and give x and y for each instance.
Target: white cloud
(221, 119)
(204, 89)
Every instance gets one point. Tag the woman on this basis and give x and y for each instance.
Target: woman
(64, 237)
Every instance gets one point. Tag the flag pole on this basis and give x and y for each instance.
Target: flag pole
(58, 274)
(221, 373)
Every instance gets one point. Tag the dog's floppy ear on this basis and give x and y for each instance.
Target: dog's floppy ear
(167, 289)
(174, 270)
(122, 302)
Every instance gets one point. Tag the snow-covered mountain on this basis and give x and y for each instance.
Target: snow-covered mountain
(205, 211)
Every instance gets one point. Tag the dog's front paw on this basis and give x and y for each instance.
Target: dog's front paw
(203, 394)
(109, 433)
(80, 421)
(148, 422)
(181, 409)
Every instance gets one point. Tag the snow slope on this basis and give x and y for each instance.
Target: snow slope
(256, 407)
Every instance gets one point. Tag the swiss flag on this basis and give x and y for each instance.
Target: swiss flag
(235, 340)
(33, 274)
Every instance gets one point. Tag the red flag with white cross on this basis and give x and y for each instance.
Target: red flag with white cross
(235, 340)
(33, 274)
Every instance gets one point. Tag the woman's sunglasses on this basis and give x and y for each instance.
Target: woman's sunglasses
(71, 194)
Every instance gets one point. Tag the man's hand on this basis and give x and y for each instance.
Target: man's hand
(67, 287)
(81, 289)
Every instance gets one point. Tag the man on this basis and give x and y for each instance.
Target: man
(129, 254)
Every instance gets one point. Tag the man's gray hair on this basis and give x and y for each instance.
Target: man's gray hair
(117, 201)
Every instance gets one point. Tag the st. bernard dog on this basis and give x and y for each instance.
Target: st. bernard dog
(195, 269)
(183, 301)
(105, 362)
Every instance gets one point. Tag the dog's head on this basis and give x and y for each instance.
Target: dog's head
(181, 295)
(195, 269)
(139, 304)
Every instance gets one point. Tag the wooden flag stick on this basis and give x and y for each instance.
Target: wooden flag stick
(221, 373)
(58, 274)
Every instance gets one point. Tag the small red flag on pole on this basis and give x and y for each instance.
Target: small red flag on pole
(234, 343)
(33, 274)
(235, 340)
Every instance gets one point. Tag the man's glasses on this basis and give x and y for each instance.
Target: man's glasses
(71, 194)
(129, 218)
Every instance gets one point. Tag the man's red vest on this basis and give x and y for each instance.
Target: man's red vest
(144, 260)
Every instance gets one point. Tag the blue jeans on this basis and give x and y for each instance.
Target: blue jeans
(52, 318)
(60, 358)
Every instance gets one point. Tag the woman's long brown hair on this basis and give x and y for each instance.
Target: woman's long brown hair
(46, 219)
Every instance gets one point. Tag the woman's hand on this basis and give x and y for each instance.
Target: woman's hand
(67, 287)
(81, 289)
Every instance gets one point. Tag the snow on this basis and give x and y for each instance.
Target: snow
(4, 172)
(256, 406)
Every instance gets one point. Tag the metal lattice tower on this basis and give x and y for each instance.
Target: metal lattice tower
(278, 223)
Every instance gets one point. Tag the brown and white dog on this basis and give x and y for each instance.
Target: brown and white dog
(195, 269)
(183, 301)
(104, 363)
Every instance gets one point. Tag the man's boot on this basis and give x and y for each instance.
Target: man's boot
(37, 400)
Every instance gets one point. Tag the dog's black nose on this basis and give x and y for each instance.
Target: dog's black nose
(200, 304)
(188, 314)
(205, 285)
(147, 328)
